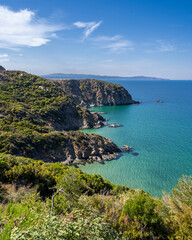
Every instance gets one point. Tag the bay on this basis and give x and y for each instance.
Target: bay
(161, 134)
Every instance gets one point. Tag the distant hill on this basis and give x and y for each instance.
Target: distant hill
(99, 77)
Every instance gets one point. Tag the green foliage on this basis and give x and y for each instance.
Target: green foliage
(25, 206)
(180, 207)
(183, 191)
(46, 176)
(140, 219)
(77, 225)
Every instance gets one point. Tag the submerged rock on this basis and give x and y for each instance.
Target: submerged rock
(135, 154)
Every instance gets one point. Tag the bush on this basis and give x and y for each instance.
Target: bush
(140, 219)
(76, 226)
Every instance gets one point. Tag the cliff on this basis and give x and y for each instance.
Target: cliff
(91, 92)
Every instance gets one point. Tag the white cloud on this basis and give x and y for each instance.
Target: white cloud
(89, 27)
(23, 29)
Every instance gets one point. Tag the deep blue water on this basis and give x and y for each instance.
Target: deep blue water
(161, 134)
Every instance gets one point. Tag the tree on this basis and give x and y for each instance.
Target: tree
(69, 189)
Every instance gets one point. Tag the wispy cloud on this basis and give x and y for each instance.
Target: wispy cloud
(24, 29)
(120, 46)
(165, 47)
(107, 38)
(89, 27)
(114, 43)
(161, 46)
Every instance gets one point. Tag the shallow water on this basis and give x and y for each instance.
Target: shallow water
(161, 134)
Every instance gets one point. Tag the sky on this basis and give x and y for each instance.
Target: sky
(105, 37)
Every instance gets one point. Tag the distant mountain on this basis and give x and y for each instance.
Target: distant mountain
(99, 77)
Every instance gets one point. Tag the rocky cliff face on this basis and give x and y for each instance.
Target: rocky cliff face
(90, 92)
(72, 117)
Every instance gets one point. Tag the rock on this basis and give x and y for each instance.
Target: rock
(159, 101)
(126, 148)
(101, 112)
(114, 125)
(74, 148)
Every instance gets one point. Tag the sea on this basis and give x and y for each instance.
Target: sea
(159, 133)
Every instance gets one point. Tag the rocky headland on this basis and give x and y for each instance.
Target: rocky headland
(91, 92)
(37, 116)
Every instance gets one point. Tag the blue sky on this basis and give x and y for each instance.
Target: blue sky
(107, 37)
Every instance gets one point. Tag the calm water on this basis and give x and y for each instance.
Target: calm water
(161, 134)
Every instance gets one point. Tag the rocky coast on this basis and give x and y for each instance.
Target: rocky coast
(37, 117)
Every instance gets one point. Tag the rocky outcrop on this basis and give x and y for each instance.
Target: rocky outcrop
(71, 116)
(67, 147)
(91, 92)
(80, 148)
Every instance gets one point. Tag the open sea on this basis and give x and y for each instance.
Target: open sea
(161, 134)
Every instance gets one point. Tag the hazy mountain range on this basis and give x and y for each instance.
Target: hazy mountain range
(99, 77)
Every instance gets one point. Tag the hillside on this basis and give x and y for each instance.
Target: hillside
(52, 201)
(91, 92)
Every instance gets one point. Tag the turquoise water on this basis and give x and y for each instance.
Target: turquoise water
(161, 134)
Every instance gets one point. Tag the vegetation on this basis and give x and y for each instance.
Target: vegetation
(30, 102)
(41, 200)
(53, 201)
